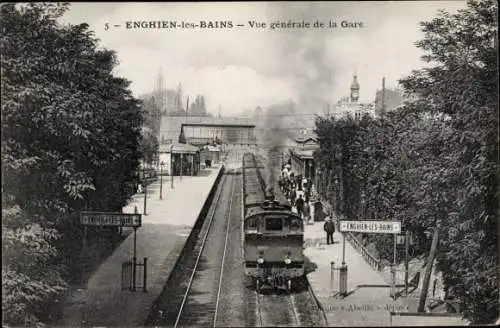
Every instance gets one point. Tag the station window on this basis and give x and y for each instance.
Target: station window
(274, 224)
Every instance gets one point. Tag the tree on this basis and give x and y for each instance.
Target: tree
(462, 85)
(433, 163)
(70, 135)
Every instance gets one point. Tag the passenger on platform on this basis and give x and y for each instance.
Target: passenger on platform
(312, 212)
(293, 195)
(307, 212)
(329, 228)
(298, 181)
(299, 203)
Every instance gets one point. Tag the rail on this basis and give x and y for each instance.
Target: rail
(193, 273)
(189, 244)
(374, 262)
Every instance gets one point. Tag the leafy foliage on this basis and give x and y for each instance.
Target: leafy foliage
(70, 135)
(434, 162)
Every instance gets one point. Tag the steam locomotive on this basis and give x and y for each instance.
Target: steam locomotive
(273, 234)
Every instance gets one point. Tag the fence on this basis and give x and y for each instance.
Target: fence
(375, 263)
(132, 274)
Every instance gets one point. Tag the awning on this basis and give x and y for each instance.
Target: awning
(178, 148)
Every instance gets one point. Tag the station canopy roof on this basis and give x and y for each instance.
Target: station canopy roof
(170, 127)
(179, 148)
(211, 148)
(304, 153)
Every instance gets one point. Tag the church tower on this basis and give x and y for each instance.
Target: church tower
(354, 89)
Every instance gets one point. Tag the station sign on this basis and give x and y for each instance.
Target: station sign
(110, 219)
(393, 227)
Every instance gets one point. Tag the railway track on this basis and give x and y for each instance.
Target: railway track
(280, 308)
(192, 294)
(207, 288)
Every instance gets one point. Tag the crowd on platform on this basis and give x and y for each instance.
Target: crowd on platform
(302, 196)
(299, 192)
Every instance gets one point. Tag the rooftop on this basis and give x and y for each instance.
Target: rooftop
(178, 148)
(170, 127)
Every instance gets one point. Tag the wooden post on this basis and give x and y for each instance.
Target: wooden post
(407, 246)
(332, 268)
(84, 254)
(428, 270)
(171, 166)
(134, 259)
(343, 246)
(145, 197)
(161, 180)
(145, 281)
(393, 269)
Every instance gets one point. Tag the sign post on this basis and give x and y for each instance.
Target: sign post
(393, 227)
(145, 196)
(172, 166)
(113, 219)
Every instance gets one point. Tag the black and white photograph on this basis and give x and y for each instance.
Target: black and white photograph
(250, 164)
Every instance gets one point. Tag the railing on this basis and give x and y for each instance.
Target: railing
(374, 262)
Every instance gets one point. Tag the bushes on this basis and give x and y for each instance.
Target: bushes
(70, 135)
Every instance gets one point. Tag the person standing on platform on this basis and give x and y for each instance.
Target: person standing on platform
(300, 205)
(293, 195)
(307, 213)
(329, 228)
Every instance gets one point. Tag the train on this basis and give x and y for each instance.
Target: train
(273, 235)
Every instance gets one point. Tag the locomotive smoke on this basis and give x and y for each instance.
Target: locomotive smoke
(273, 137)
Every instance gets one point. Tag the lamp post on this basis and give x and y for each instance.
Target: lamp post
(171, 166)
(145, 192)
(161, 179)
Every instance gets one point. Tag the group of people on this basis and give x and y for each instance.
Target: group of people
(298, 191)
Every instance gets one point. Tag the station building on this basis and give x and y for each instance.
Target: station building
(301, 155)
(230, 135)
(178, 157)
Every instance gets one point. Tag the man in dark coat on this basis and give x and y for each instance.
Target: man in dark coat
(329, 228)
(293, 195)
(299, 203)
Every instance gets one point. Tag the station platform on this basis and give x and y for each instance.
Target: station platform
(161, 238)
(368, 301)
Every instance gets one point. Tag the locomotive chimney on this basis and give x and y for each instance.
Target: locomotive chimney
(269, 193)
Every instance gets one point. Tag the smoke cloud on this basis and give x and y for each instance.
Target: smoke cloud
(272, 135)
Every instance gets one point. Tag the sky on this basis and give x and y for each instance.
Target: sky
(241, 68)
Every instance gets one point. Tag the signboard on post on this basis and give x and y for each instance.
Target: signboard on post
(110, 219)
(393, 227)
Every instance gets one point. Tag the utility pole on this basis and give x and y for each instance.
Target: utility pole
(428, 270)
(382, 110)
(407, 246)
